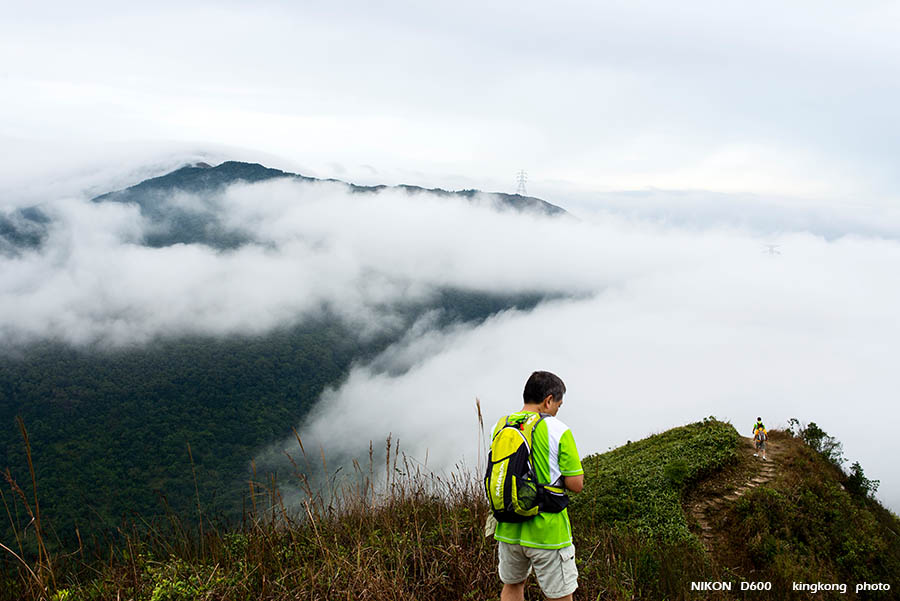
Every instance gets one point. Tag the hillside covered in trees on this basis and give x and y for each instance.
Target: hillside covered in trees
(109, 430)
(139, 428)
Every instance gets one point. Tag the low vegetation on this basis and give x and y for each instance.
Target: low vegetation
(419, 536)
(817, 523)
(638, 487)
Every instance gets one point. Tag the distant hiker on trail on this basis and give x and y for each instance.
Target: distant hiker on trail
(758, 425)
(532, 463)
(759, 438)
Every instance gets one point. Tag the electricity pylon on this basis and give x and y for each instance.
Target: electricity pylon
(521, 179)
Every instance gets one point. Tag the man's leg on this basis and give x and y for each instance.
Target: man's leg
(514, 592)
(555, 571)
(514, 568)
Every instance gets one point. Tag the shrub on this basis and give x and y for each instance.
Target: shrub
(818, 440)
(857, 482)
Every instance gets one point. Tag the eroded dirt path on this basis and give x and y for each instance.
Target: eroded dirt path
(705, 510)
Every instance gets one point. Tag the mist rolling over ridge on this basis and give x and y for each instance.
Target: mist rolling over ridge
(268, 301)
(175, 251)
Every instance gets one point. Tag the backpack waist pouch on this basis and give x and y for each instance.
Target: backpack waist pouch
(552, 499)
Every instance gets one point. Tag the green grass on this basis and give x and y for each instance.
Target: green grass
(638, 488)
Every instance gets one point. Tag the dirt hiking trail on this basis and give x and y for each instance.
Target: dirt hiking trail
(705, 510)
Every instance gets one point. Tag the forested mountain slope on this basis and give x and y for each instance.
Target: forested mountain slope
(109, 427)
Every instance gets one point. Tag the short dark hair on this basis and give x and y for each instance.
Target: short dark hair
(540, 384)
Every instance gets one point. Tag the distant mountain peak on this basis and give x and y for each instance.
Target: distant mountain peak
(202, 177)
(174, 224)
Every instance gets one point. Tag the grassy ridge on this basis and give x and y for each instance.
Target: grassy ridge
(638, 488)
(421, 537)
(422, 540)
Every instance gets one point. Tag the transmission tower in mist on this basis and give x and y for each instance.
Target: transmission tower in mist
(521, 178)
(772, 249)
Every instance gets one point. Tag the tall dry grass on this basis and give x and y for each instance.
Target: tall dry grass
(409, 534)
(404, 534)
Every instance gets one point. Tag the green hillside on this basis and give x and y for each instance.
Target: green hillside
(638, 488)
(110, 430)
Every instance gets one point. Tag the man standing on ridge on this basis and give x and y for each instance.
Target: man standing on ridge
(543, 543)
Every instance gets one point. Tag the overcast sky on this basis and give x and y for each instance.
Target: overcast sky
(685, 135)
(794, 99)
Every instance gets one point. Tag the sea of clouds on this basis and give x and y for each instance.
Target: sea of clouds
(655, 321)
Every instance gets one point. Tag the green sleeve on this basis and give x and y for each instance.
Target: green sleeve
(569, 463)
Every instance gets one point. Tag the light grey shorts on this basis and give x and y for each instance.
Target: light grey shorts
(554, 568)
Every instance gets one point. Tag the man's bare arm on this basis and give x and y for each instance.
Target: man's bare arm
(574, 483)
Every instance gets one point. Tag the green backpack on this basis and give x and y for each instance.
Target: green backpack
(510, 483)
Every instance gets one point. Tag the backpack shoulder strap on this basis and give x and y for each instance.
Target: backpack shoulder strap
(501, 423)
(526, 427)
(530, 425)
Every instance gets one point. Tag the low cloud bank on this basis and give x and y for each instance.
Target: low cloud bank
(658, 323)
(314, 246)
(732, 332)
